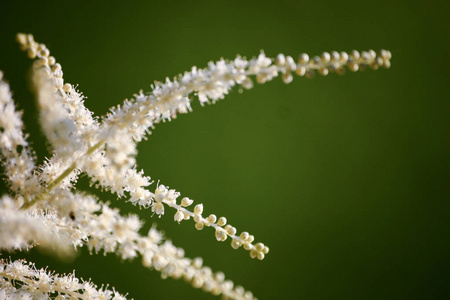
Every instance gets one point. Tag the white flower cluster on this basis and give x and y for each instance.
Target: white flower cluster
(223, 230)
(21, 280)
(43, 207)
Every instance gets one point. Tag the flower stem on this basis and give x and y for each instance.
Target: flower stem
(44, 192)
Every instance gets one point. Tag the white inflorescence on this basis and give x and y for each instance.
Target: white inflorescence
(22, 280)
(44, 208)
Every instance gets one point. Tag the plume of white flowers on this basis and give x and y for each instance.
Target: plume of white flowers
(22, 280)
(43, 207)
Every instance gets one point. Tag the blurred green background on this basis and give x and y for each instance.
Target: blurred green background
(346, 179)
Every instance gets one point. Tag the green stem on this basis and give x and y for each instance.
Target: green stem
(44, 192)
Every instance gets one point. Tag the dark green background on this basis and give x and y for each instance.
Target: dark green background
(345, 178)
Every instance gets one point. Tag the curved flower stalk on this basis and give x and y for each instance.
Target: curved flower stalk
(45, 209)
(223, 230)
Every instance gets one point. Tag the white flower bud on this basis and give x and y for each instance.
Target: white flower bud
(221, 235)
(198, 209)
(354, 55)
(244, 235)
(303, 58)
(344, 57)
(290, 63)
(300, 71)
(260, 255)
(236, 244)
(231, 230)
(248, 246)
(250, 238)
(199, 225)
(287, 78)
(51, 60)
(212, 218)
(281, 60)
(158, 208)
(325, 57)
(185, 202)
(222, 221)
(179, 216)
(259, 246)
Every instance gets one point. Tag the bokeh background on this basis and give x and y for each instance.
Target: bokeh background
(346, 179)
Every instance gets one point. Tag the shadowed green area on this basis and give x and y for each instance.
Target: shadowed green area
(344, 178)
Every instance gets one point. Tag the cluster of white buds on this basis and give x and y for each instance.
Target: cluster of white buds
(21, 280)
(331, 62)
(164, 195)
(40, 51)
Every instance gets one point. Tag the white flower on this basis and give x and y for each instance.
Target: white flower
(45, 208)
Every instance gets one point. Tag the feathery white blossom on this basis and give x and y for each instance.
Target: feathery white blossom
(44, 208)
(22, 280)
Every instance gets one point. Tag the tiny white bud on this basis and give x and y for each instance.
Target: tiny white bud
(235, 244)
(198, 209)
(281, 60)
(197, 262)
(290, 63)
(199, 225)
(222, 221)
(185, 202)
(212, 218)
(158, 208)
(344, 57)
(21, 38)
(179, 216)
(287, 78)
(67, 87)
(354, 54)
(334, 56)
(244, 235)
(221, 235)
(260, 255)
(57, 66)
(303, 58)
(44, 52)
(51, 60)
(325, 57)
(365, 55)
(247, 246)
(300, 71)
(232, 230)
(259, 246)
(197, 218)
(219, 276)
(31, 53)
